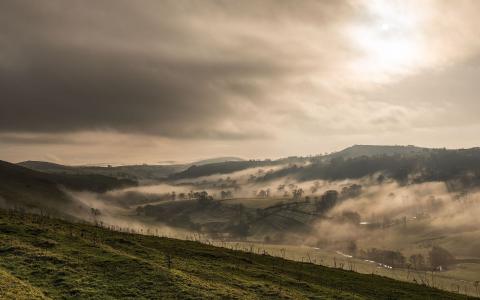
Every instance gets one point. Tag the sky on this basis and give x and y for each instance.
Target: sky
(121, 82)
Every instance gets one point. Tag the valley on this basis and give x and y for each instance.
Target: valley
(371, 214)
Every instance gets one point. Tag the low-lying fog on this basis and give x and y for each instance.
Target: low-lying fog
(369, 212)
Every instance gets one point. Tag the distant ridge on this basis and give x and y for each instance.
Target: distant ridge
(134, 172)
(44, 166)
(216, 160)
(375, 150)
(77, 178)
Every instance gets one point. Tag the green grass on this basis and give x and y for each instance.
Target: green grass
(459, 277)
(50, 258)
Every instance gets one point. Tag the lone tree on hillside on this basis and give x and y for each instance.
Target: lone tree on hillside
(297, 193)
(417, 261)
(203, 198)
(240, 229)
(440, 257)
(225, 194)
(327, 201)
(264, 193)
(95, 213)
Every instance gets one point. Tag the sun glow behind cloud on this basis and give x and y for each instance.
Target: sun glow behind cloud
(388, 41)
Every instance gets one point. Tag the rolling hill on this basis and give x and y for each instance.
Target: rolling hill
(376, 150)
(215, 160)
(66, 176)
(216, 168)
(365, 156)
(47, 167)
(26, 189)
(134, 172)
(459, 168)
(45, 258)
(22, 187)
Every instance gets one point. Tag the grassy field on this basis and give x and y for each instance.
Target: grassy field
(415, 238)
(42, 258)
(461, 278)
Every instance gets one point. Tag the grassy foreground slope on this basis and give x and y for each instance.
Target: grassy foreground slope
(42, 258)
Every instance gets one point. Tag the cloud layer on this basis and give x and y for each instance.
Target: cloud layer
(170, 68)
(342, 72)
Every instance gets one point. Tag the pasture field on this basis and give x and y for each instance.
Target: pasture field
(460, 279)
(44, 258)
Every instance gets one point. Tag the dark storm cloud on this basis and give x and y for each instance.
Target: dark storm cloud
(29, 139)
(155, 67)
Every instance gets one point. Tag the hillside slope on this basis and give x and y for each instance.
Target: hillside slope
(66, 176)
(379, 150)
(459, 168)
(22, 187)
(217, 168)
(48, 258)
(216, 160)
(121, 173)
(47, 167)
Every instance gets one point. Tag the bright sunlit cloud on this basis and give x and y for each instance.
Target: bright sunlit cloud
(388, 41)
